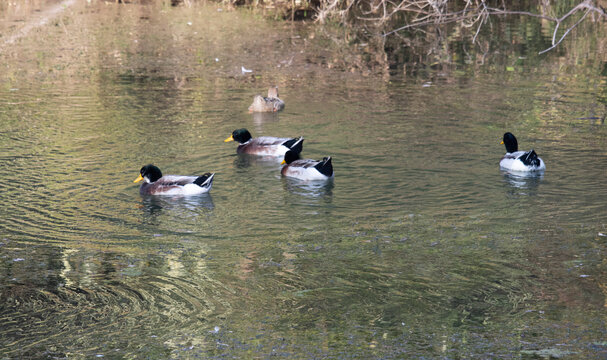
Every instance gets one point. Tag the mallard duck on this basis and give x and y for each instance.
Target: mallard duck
(515, 160)
(306, 169)
(264, 145)
(267, 104)
(156, 184)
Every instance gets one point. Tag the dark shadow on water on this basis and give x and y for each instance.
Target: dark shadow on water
(520, 183)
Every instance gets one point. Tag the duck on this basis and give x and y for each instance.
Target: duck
(267, 104)
(264, 145)
(306, 169)
(157, 184)
(519, 161)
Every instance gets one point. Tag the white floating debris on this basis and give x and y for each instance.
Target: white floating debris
(427, 84)
(244, 70)
(215, 330)
(216, 59)
(189, 23)
(18, 259)
(601, 234)
(584, 276)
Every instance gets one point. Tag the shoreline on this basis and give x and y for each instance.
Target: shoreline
(42, 18)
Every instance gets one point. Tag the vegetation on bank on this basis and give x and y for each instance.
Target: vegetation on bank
(405, 35)
(408, 37)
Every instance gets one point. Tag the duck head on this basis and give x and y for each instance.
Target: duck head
(273, 92)
(510, 142)
(149, 173)
(290, 156)
(240, 135)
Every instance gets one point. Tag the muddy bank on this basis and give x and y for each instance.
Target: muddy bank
(97, 38)
(259, 38)
(19, 19)
(414, 38)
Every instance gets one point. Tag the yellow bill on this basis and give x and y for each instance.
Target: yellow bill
(502, 143)
(138, 179)
(231, 138)
(283, 162)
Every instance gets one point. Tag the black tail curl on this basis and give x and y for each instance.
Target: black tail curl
(530, 158)
(295, 145)
(325, 167)
(202, 179)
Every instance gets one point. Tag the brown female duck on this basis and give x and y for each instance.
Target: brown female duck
(267, 104)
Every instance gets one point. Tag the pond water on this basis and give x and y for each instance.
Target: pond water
(420, 247)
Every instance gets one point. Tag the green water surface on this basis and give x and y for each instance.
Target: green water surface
(420, 248)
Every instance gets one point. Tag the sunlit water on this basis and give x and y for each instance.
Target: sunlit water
(420, 246)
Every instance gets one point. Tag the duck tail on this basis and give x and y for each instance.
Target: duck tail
(205, 180)
(325, 167)
(530, 158)
(295, 145)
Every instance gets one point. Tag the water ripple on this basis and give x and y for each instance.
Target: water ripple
(152, 306)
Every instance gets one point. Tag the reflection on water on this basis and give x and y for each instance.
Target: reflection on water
(260, 118)
(92, 291)
(179, 206)
(523, 183)
(310, 190)
(243, 161)
(419, 248)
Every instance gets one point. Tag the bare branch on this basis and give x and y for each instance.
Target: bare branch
(494, 11)
(422, 13)
(483, 17)
(566, 32)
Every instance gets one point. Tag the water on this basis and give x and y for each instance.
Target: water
(420, 247)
